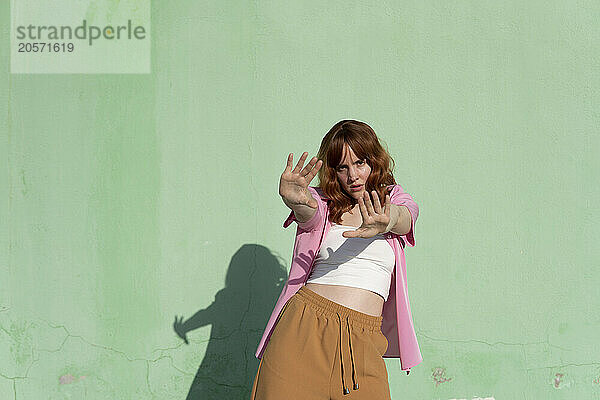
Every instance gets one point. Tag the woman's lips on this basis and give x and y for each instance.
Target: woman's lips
(356, 188)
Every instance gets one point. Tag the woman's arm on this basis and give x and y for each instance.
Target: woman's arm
(303, 213)
(305, 216)
(408, 211)
(400, 220)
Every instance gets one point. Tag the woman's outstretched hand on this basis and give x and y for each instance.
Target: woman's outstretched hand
(374, 218)
(180, 329)
(293, 184)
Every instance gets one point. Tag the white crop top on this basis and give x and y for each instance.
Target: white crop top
(365, 263)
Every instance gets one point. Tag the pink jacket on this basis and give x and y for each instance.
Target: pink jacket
(397, 325)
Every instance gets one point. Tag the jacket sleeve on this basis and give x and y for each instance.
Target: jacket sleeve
(399, 197)
(312, 223)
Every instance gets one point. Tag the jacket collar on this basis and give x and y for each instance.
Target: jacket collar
(321, 193)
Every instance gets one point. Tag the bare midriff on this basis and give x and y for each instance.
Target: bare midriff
(358, 299)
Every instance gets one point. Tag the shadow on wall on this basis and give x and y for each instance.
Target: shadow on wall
(238, 316)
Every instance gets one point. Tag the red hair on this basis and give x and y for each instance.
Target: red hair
(365, 144)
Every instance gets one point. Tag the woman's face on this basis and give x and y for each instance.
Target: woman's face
(352, 172)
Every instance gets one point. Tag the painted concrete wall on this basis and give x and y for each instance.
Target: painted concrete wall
(130, 201)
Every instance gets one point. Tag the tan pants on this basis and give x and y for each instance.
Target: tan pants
(321, 350)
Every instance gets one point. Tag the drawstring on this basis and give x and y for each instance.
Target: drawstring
(344, 388)
(354, 380)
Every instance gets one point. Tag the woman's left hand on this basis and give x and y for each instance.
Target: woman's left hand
(374, 218)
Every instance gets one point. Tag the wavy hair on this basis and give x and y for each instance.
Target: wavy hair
(366, 145)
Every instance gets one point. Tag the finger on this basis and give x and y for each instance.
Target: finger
(368, 203)
(376, 202)
(358, 233)
(388, 206)
(300, 162)
(305, 171)
(362, 208)
(313, 172)
(290, 161)
(351, 234)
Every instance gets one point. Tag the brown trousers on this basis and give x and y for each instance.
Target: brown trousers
(322, 350)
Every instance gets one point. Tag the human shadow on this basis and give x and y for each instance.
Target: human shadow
(238, 315)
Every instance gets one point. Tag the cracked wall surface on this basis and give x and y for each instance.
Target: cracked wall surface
(140, 224)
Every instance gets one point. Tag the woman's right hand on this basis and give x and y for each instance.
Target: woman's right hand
(293, 184)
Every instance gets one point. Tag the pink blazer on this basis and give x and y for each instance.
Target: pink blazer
(397, 325)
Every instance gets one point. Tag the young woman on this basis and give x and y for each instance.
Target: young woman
(345, 304)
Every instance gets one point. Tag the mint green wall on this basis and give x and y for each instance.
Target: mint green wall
(128, 200)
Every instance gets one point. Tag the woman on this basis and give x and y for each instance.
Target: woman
(345, 304)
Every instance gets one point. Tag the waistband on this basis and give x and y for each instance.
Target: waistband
(333, 309)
